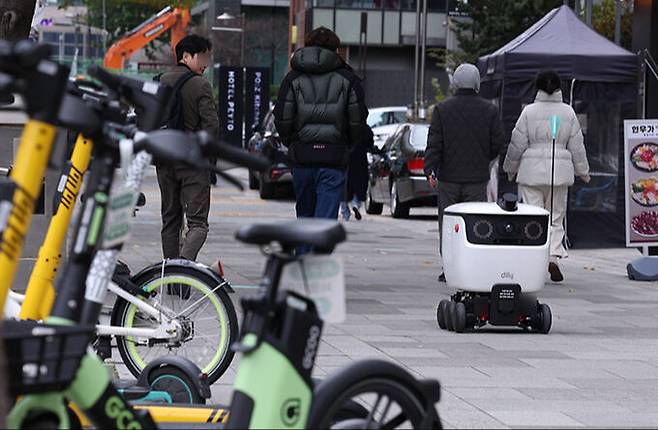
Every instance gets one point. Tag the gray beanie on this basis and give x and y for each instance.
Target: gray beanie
(467, 76)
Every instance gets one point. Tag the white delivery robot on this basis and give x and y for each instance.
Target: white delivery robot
(495, 257)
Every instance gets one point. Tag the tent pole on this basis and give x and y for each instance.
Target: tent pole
(618, 22)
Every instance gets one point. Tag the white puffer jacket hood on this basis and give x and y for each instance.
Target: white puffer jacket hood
(529, 152)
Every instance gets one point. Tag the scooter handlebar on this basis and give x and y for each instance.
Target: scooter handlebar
(110, 80)
(194, 149)
(226, 152)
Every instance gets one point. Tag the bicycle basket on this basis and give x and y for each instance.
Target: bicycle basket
(42, 357)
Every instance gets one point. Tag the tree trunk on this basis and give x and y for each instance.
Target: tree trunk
(16, 19)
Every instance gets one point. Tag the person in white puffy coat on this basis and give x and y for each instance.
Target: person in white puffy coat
(529, 158)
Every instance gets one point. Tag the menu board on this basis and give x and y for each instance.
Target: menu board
(641, 182)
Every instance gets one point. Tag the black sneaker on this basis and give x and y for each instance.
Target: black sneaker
(554, 270)
(357, 214)
(442, 277)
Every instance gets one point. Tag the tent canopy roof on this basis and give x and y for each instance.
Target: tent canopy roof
(560, 40)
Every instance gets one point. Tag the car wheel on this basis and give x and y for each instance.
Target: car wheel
(372, 207)
(253, 181)
(398, 209)
(266, 189)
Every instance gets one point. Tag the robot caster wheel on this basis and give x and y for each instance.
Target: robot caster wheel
(545, 319)
(441, 313)
(451, 316)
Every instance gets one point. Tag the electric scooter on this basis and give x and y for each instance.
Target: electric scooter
(273, 316)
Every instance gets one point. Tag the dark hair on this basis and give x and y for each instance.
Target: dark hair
(322, 37)
(548, 81)
(192, 44)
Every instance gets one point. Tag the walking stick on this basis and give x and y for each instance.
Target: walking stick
(555, 127)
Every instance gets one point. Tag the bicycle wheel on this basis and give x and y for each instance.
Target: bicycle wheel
(202, 308)
(391, 403)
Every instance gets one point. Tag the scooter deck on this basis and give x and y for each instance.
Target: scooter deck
(175, 416)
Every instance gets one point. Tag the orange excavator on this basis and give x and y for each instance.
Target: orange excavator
(168, 18)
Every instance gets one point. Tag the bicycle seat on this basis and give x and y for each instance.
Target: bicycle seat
(323, 235)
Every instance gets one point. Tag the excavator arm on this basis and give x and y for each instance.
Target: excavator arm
(168, 18)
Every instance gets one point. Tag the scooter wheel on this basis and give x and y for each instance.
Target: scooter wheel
(545, 318)
(450, 309)
(441, 312)
(177, 384)
(459, 317)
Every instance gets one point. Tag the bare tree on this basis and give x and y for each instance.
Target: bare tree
(16, 19)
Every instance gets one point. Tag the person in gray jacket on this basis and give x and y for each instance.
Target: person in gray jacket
(465, 136)
(530, 153)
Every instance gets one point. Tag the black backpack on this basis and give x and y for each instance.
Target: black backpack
(175, 119)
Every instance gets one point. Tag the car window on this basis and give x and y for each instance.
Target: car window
(269, 124)
(397, 138)
(398, 117)
(375, 119)
(391, 139)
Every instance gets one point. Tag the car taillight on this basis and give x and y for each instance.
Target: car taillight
(416, 166)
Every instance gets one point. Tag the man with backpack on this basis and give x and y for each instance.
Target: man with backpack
(183, 190)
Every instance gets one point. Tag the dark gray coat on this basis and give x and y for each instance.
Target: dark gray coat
(464, 137)
(320, 111)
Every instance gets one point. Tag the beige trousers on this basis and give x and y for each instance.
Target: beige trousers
(541, 196)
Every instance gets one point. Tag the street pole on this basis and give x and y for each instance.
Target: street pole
(417, 48)
(422, 114)
(588, 12)
(242, 25)
(104, 29)
(618, 22)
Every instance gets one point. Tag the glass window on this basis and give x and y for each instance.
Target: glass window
(398, 117)
(50, 36)
(69, 50)
(359, 4)
(69, 37)
(323, 3)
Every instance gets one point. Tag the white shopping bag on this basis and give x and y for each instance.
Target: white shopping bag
(322, 279)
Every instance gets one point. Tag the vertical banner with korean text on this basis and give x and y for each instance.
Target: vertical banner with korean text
(257, 98)
(641, 154)
(231, 104)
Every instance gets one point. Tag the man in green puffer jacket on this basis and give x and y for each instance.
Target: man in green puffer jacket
(321, 116)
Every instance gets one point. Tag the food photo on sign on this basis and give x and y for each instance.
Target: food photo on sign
(641, 149)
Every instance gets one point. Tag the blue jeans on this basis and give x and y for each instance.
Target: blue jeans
(319, 191)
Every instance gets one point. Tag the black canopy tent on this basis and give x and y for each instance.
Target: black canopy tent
(600, 81)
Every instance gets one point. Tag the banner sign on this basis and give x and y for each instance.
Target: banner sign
(257, 98)
(231, 104)
(641, 182)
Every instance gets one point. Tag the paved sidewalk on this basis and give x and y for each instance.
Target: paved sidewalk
(597, 368)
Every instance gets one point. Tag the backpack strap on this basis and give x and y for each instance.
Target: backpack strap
(180, 82)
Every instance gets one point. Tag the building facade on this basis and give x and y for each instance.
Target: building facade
(378, 38)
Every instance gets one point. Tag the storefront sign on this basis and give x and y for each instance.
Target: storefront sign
(231, 104)
(257, 98)
(641, 154)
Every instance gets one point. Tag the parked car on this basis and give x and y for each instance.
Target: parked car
(397, 176)
(386, 115)
(266, 142)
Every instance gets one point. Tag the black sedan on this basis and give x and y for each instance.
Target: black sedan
(397, 178)
(266, 142)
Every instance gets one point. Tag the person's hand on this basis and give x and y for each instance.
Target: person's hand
(432, 181)
(586, 179)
